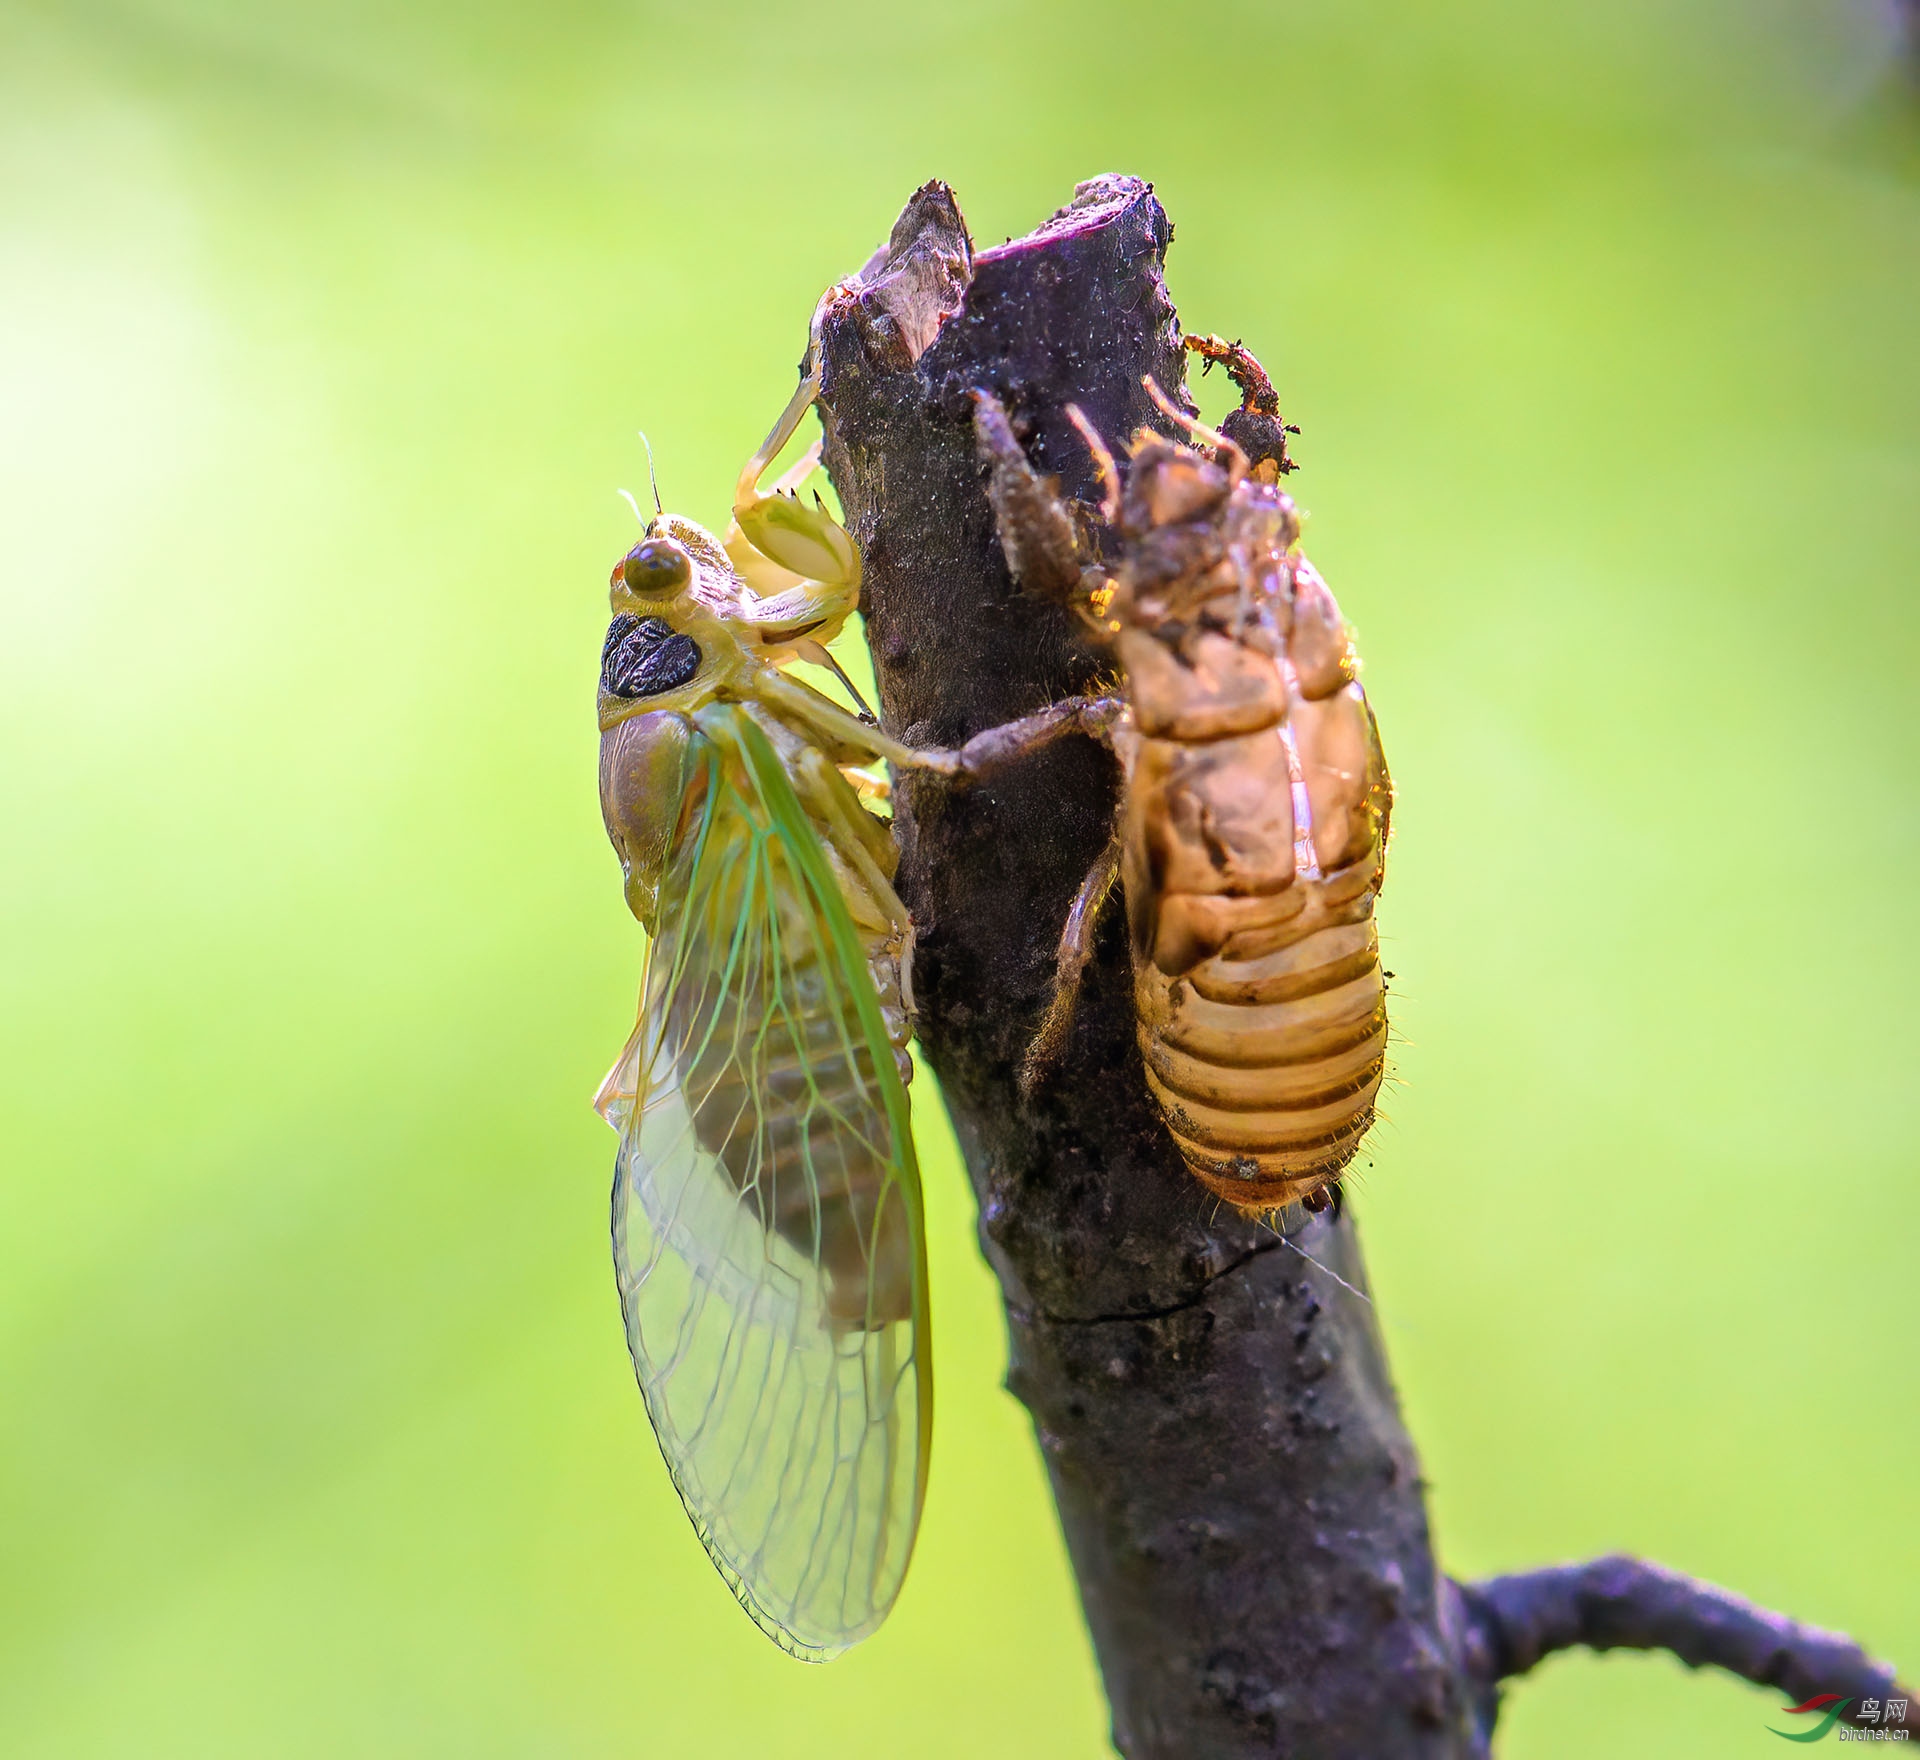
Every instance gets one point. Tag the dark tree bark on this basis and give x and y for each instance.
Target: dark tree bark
(1242, 1504)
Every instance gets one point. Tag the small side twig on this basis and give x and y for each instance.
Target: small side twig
(1510, 1623)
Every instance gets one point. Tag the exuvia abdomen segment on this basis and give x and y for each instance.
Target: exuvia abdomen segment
(1255, 814)
(1266, 1057)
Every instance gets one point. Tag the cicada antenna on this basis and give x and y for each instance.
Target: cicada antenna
(653, 482)
(626, 495)
(1108, 471)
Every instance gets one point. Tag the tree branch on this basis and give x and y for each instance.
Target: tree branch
(1241, 1502)
(1240, 1499)
(1509, 1624)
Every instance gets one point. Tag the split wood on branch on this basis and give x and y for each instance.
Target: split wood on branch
(1242, 1505)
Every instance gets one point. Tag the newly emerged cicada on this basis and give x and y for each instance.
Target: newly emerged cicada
(767, 1224)
(1254, 813)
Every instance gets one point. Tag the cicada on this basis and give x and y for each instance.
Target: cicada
(1254, 812)
(768, 1235)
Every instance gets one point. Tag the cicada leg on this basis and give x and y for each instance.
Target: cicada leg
(1248, 376)
(1257, 426)
(1041, 535)
(1102, 718)
(798, 559)
(840, 731)
(747, 495)
(1098, 717)
(864, 846)
(859, 839)
(1226, 451)
(1069, 967)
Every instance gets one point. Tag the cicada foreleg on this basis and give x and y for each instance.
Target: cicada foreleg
(1099, 717)
(1042, 533)
(839, 734)
(799, 561)
(1257, 426)
(1248, 376)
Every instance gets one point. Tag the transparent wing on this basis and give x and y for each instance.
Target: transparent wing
(767, 1225)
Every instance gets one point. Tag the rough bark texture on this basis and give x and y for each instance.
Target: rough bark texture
(1242, 1504)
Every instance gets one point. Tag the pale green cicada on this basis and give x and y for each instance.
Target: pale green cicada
(767, 1226)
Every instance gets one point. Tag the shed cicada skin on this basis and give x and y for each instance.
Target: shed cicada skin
(768, 1236)
(1254, 812)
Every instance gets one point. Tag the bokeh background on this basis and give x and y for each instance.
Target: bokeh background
(324, 331)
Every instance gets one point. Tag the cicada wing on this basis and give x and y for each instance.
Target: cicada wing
(767, 1225)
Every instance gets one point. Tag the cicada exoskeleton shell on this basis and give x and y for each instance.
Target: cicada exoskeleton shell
(1255, 805)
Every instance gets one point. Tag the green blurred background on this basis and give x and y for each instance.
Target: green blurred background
(324, 330)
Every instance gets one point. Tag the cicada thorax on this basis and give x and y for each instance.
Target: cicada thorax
(1254, 823)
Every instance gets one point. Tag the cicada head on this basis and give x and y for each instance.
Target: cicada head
(666, 566)
(669, 645)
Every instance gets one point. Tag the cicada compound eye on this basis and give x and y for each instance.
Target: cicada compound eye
(656, 567)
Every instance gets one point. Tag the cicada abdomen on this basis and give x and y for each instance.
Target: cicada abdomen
(1254, 813)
